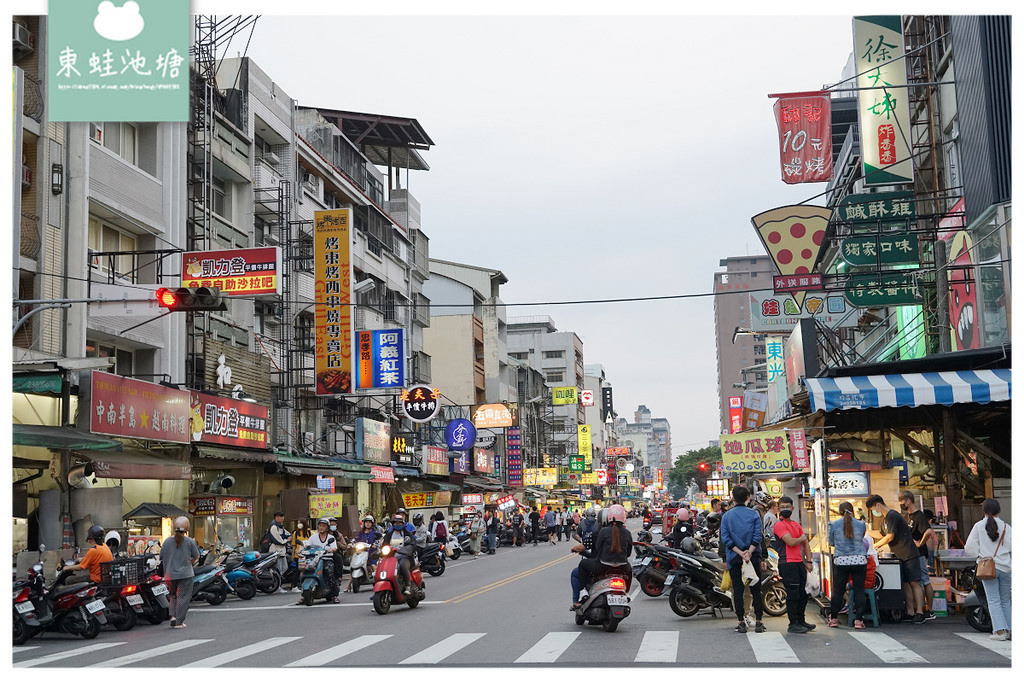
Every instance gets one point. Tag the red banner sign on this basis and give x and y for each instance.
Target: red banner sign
(382, 475)
(798, 449)
(235, 272)
(226, 421)
(121, 406)
(805, 138)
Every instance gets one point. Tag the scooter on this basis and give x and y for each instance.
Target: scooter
(262, 566)
(432, 558)
(386, 589)
(696, 584)
(313, 577)
(237, 579)
(208, 583)
(607, 601)
(151, 601)
(976, 603)
(359, 568)
(75, 609)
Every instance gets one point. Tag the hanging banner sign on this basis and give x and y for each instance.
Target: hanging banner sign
(381, 359)
(583, 440)
(755, 406)
(325, 505)
(798, 449)
(235, 272)
(883, 100)
(874, 290)
(122, 406)
(890, 249)
(756, 452)
(562, 396)
(805, 137)
(332, 288)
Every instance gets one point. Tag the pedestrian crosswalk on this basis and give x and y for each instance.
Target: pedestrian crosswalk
(872, 648)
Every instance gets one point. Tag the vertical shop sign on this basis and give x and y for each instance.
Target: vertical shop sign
(333, 281)
(883, 106)
(514, 453)
(381, 359)
(798, 449)
(965, 327)
(583, 442)
(805, 137)
(735, 414)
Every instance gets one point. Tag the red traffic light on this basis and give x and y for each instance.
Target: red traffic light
(702, 466)
(191, 299)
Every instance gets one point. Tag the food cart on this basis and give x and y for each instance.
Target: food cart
(222, 520)
(150, 522)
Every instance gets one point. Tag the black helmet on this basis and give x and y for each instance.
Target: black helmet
(96, 533)
(417, 518)
(689, 546)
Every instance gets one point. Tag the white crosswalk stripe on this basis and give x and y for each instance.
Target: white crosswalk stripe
(658, 646)
(446, 648)
(67, 654)
(549, 648)
(148, 654)
(23, 648)
(239, 653)
(888, 649)
(1002, 647)
(771, 648)
(338, 651)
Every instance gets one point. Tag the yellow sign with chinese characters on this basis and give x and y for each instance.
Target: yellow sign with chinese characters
(583, 438)
(563, 396)
(325, 505)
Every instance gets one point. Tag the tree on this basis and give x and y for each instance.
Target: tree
(686, 466)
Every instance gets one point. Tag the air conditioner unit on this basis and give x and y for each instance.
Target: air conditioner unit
(96, 132)
(24, 41)
(271, 158)
(26, 176)
(312, 183)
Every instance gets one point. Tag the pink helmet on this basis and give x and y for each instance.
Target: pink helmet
(683, 514)
(616, 513)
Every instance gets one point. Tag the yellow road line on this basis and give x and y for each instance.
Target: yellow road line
(507, 580)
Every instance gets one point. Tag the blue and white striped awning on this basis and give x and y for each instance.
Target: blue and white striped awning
(917, 389)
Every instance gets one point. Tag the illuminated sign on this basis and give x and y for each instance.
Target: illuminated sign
(381, 359)
(420, 402)
(848, 484)
(493, 415)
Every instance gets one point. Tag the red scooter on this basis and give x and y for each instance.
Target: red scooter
(386, 589)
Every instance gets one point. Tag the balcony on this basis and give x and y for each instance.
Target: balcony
(31, 237)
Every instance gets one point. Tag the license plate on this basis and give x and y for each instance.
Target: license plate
(24, 607)
(646, 561)
(669, 579)
(160, 589)
(617, 600)
(134, 599)
(94, 606)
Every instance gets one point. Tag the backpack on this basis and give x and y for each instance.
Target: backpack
(440, 530)
(265, 542)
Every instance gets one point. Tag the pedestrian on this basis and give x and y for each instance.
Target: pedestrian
(849, 564)
(794, 550)
(921, 532)
(549, 523)
(535, 524)
(992, 537)
(741, 536)
(559, 522)
(771, 516)
(279, 538)
(901, 544)
(519, 526)
(178, 555)
(477, 528)
(492, 525)
(439, 528)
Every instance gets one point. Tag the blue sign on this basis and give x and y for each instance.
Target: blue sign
(901, 465)
(460, 435)
(458, 462)
(381, 360)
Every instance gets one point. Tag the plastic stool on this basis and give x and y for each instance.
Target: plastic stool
(869, 597)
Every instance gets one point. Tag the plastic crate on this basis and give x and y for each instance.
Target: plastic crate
(124, 572)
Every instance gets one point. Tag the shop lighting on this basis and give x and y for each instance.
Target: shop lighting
(57, 178)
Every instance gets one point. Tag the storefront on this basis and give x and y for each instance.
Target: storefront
(149, 522)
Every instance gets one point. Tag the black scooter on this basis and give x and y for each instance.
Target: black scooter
(432, 558)
(976, 603)
(75, 609)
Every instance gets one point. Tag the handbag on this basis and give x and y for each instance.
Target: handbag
(987, 565)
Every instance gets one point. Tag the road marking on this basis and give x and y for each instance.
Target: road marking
(23, 648)
(338, 651)
(507, 580)
(146, 654)
(1000, 647)
(67, 654)
(772, 647)
(447, 647)
(369, 598)
(238, 653)
(658, 646)
(549, 648)
(888, 649)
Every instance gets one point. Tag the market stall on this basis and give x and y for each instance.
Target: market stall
(223, 520)
(150, 522)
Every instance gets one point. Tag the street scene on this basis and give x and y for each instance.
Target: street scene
(476, 341)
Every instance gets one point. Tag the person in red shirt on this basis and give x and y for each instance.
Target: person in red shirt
(794, 562)
(99, 552)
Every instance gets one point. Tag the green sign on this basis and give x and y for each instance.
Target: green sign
(897, 248)
(577, 463)
(869, 290)
(877, 206)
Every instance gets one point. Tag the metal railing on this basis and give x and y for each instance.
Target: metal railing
(31, 238)
(34, 102)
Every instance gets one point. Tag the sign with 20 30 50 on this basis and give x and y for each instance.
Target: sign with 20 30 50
(756, 452)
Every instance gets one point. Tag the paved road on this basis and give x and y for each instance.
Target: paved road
(507, 609)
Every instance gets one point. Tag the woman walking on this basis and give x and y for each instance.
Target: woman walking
(849, 562)
(179, 554)
(992, 537)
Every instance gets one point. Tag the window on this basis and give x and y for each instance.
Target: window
(304, 333)
(222, 198)
(519, 355)
(555, 377)
(124, 364)
(554, 354)
(759, 349)
(106, 238)
(120, 138)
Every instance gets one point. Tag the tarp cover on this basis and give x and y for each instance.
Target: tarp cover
(909, 389)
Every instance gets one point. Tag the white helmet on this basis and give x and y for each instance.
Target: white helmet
(113, 540)
(616, 513)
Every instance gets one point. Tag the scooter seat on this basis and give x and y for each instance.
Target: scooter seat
(206, 569)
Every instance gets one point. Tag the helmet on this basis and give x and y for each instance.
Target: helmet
(762, 498)
(616, 513)
(417, 518)
(369, 518)
(602, 516)
(402, 511)
(689, 546)
(323, 520)
(683, 514)
(591, 513)
(96, 533)
(113, 540)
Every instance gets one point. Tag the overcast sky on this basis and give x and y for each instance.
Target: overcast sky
(585, 158)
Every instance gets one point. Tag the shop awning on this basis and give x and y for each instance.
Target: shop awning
(235, 454)
(298, 465)
(51, 436)
(156, 510)
(134, 463)
(405, 471)
(482, 484)
(909, 389)
(444, 485)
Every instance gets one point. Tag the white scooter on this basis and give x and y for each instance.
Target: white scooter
(358, 569)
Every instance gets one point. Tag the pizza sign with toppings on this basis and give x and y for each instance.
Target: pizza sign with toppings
(794, 237)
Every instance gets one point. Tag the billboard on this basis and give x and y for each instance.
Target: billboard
(333, 290)
(228, 422)
(121, 406)
(235, 272)
(756, 452)
(779, 313)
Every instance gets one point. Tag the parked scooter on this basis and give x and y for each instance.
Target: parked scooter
(386, 589)
(976, 603)
(208, 582)
(75, 609)
(607, 601)
(262, 566)
(237, 579)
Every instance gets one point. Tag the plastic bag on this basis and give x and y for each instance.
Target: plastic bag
(749, 574)
(813, 585)
(726, 581)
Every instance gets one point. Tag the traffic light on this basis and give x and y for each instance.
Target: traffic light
(191, 299)
(703, 467)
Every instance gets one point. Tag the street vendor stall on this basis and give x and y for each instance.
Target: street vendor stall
(150, 522)
(222, 520)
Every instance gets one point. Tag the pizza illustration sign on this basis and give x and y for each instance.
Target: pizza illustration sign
(794, 237)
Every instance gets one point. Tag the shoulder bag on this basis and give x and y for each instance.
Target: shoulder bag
(987, 565)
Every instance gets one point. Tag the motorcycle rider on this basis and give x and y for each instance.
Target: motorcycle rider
(369, 535)
(422, 533)
(401, 536)
(323, 538)
(683, 527)
(612, 547)
(98, 552)
(587, 529)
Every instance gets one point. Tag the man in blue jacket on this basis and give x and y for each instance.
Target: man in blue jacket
(741, 537)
